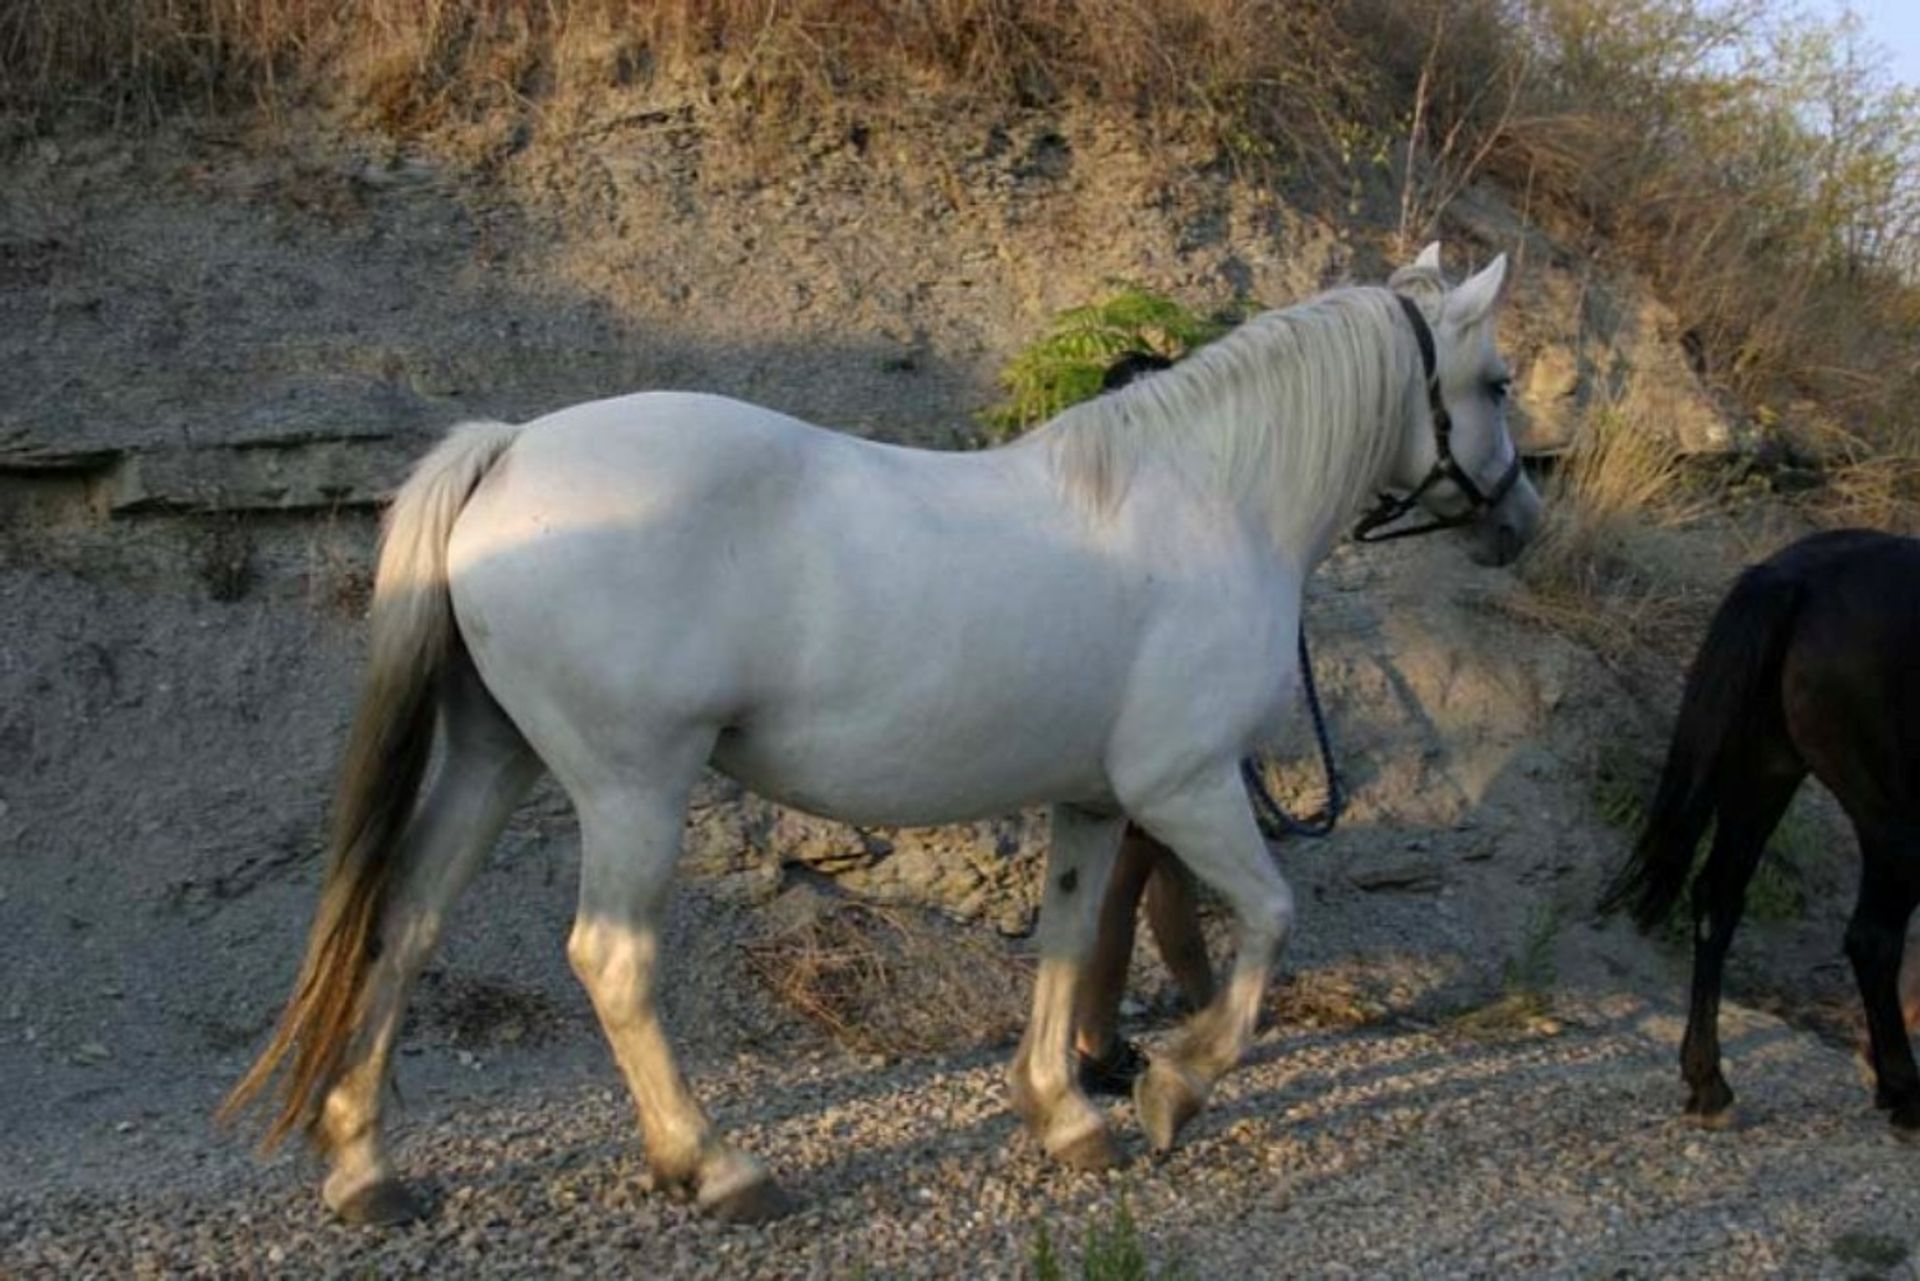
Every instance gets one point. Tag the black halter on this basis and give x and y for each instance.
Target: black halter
(1445, 467)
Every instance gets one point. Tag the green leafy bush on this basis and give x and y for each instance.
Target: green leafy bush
(1064, 366)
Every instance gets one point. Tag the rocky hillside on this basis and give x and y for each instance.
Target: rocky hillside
(223, 345)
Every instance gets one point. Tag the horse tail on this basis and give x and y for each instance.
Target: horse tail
(1734, 677)
(413, 635)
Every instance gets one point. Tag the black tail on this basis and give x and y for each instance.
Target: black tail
(1734, 677)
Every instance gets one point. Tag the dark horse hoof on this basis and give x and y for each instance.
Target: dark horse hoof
(1112, 1074)
(1711, 1105)
(386, 1204)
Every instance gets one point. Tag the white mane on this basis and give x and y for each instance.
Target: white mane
(1294, 413)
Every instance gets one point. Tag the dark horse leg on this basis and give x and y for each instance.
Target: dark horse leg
(1106, 973)
(1752, 799)
(1876, 939)
(1173, 913)
(1144, 867)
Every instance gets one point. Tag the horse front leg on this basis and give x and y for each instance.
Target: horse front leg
(1045, 1088)
(1212, 828)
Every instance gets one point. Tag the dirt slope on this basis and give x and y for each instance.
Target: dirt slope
(221, 350)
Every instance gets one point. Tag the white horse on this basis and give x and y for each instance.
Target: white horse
(1100, 616)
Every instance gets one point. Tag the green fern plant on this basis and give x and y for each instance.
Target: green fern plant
(1064, 366)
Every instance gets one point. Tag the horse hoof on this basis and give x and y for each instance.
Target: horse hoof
(735, 1188)
(1091, 1150)
(386, 1204)
(1112, 1073)
(1166, 1099)
(759, 1201)
(1720, 1119)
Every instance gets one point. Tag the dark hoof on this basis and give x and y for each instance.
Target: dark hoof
(1112, 1074)
(1709, 1100)
(760, 1201)
(1906, 1121)
(386, 1204)
(1093, 1150)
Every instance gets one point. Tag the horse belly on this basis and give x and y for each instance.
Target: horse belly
(912, 771)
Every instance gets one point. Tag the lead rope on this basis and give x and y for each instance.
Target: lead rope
(1272, 817)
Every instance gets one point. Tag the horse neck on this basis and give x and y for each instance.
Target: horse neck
(1283, 426)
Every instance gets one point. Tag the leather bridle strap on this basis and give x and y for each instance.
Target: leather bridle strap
(1389, 508)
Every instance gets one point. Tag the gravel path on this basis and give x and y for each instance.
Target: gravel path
(1389, 1151)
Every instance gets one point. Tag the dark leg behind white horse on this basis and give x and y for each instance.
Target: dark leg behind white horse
(1105, 978)
(1173, 915)
(1146, 871)
(486, 769)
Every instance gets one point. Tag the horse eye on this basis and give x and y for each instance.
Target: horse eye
(1499, 389)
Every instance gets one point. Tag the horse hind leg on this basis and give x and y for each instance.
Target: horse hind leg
(631, 842)
(1876, 937)
(1750, 805)
(486, 769)
(1213, 831)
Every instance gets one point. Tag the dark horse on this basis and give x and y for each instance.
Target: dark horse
(1811, 664)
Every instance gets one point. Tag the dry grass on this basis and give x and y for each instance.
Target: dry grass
(1269, 70)
(1767, 190)
(1323, 999)
(1879, 492)
(885, 980)
(1587, 576)
(339, 577)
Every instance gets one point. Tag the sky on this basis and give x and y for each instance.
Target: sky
(1892, 24)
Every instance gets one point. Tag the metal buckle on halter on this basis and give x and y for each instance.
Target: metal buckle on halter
(1445, 467)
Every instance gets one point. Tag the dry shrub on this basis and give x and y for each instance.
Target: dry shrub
(887, 980)
(1758, 167)
(339, 576)
(1883, 493)
(1587, 575)
(1270, 71)
(1322, 999)
(1877, 490)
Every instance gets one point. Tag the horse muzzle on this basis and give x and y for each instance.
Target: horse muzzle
(1504, 529)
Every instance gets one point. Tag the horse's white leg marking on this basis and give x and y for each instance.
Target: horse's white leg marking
(631, 839)
(1045, 1088)
(487, 769)
(1212, 828)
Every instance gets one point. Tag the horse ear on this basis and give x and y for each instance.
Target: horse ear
(1475, 300)
(1429, 257)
